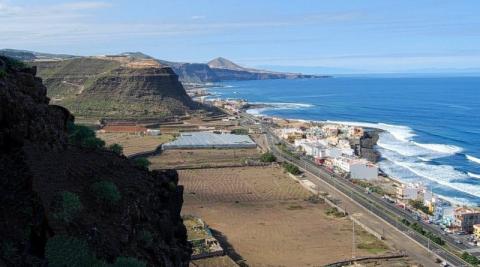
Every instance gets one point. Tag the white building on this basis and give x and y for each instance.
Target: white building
(364, 170)
(408, 191)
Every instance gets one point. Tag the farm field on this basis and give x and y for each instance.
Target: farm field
(132, 143)
(264, 218)
(181, 158)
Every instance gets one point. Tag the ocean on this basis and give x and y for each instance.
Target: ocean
(431, 125)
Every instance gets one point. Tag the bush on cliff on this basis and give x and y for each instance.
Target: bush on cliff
(70, 206)
(116, 148)
(83, 136)
(128, 262)
(107, 192)
(141, 163)
(69, 251)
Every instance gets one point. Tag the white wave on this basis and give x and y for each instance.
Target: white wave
(276, 106)
(473, 175)
(444, 149)
(473, 159)
(284, 105)
(445, 175)
(398, 139)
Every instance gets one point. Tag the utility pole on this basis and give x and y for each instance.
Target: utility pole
(353, 239)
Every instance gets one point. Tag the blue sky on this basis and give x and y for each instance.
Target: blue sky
(308, 35)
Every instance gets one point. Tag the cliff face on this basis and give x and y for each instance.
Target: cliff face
(40, 171)
(115, 87)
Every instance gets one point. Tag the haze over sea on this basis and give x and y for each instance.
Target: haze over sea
(432, 125)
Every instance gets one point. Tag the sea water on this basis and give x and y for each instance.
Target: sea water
(431, 125)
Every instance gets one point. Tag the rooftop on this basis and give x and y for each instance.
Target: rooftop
(210, 140)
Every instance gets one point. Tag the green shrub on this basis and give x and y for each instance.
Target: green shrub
(291, 168)
(128, 262)
(63, 251)
(268, 157)
(70, 206)
(83, 136)
(172, 186)
(3, 73)
(13, 63)
(141, 162)
(118, 149)
(470, 258)
(146, 238)
(106, 192)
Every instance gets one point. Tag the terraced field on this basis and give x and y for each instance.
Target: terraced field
(263, 218)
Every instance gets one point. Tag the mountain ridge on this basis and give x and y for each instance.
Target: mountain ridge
(216, 70)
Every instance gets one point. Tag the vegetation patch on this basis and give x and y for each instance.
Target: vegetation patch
(141, 163)
(334, 212)
(418, 228)
(63, 251)
(128, 262)
(470, 258)
(291, 168)
(418, 204)
(116, 148)
(70, 207)
(107, 192)
(268, 157)
(83, 136)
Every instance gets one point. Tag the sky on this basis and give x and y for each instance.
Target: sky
(349, 36)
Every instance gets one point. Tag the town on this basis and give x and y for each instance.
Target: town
(342, 151)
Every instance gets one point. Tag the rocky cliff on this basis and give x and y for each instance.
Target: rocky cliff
(63, 204)
(216, 70)
(115, 87)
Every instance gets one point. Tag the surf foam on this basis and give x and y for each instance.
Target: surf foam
(473, 159)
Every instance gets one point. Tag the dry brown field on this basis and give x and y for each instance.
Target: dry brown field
(181, 158)
(133, 143)
(263, 217)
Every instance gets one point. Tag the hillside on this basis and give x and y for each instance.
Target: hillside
(115, 87)
(66, 201)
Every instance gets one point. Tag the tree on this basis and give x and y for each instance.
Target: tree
(141, 163)
(83, 136)
(116, 148)
(106, 192)
(70, 206)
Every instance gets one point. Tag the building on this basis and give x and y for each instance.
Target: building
(154, 132)
(362, 169)
(124, 128)
(330, 129)
(465, 219)
(476, 231)
(408, 192)
(197, 140)
(291, 134)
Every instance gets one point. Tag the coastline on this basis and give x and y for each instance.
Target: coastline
(407, 158)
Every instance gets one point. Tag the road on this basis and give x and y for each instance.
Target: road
(376, 205)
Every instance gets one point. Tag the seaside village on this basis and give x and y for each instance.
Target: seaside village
(336, 147)
(343, 150)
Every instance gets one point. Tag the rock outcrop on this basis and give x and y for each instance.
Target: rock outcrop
(365, 146)
(38, 165)
(115, 87)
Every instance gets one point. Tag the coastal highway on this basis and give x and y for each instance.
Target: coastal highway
(375, 204)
